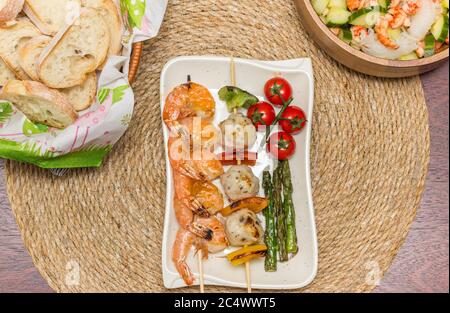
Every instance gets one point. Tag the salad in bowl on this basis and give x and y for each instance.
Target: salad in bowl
(388, 29)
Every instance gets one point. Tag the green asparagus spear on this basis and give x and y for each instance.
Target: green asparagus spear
(289, 210)
(270, 237)
(281, 218)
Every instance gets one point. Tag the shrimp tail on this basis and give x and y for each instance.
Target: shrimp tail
(185, 273)
(181, 247)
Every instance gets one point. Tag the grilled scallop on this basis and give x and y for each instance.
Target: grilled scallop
(244, 228)
(238, 132)
(239, 183)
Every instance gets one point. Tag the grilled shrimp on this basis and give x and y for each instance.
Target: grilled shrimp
(188, 100)
(219, 240)
(186, 219)
(192, 154)
(202, 198)
(184, 193)
(180, 252)
(209, 196)
(381, 32)
(185, 240)
(200, 164)
(202, 133)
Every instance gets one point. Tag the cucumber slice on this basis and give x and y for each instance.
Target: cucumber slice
(385, 3)
(320, 5)
(429, 45)
(444, 4)
(342, 4)
(394, 34)
(337, 17)
(366, 17)
(408, 57)
(346, 35)
(440, 28)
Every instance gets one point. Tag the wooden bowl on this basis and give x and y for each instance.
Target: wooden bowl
(358, 60)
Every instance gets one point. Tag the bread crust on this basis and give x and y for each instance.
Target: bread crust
(110, 12)
(24, 94)
(10, 10)
(5, 73)
(10, 37)
(85, 100)
(29, 53)
(91, 62)
(39, 20)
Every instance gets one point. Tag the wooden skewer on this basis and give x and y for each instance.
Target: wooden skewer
(200, 271)
(248, 277)
(247, 264)
(233, 72)
(200, 253)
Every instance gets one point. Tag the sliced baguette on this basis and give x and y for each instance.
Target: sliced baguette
(9, 9)
(75, 51)
(11, 38)
(39, 103)
(5, 73)
(110, 12)
(80, 97)
(51, 15)
(83, 96)
(29, 52)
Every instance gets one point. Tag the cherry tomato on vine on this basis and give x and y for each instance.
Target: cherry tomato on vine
(261, 114)
(277, 86)
(281, 146)
(293, 120)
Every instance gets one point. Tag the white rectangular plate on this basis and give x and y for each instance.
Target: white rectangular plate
(214, 73)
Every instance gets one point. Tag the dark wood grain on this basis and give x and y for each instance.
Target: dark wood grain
(421, 266)
(17, 272)
(423, 262)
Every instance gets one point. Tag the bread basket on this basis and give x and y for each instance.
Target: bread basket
(358, 60)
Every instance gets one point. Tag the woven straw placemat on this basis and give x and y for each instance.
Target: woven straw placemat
(369, 159)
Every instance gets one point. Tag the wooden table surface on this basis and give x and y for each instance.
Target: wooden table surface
(421, 266)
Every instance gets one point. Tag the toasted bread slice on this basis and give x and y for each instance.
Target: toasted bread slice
(75, 51)
(9, 9)
(51, 15)
(28, 54)
(5, 73)
(110, 12)
(39, 103)
(81, 97)
(11, 38)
